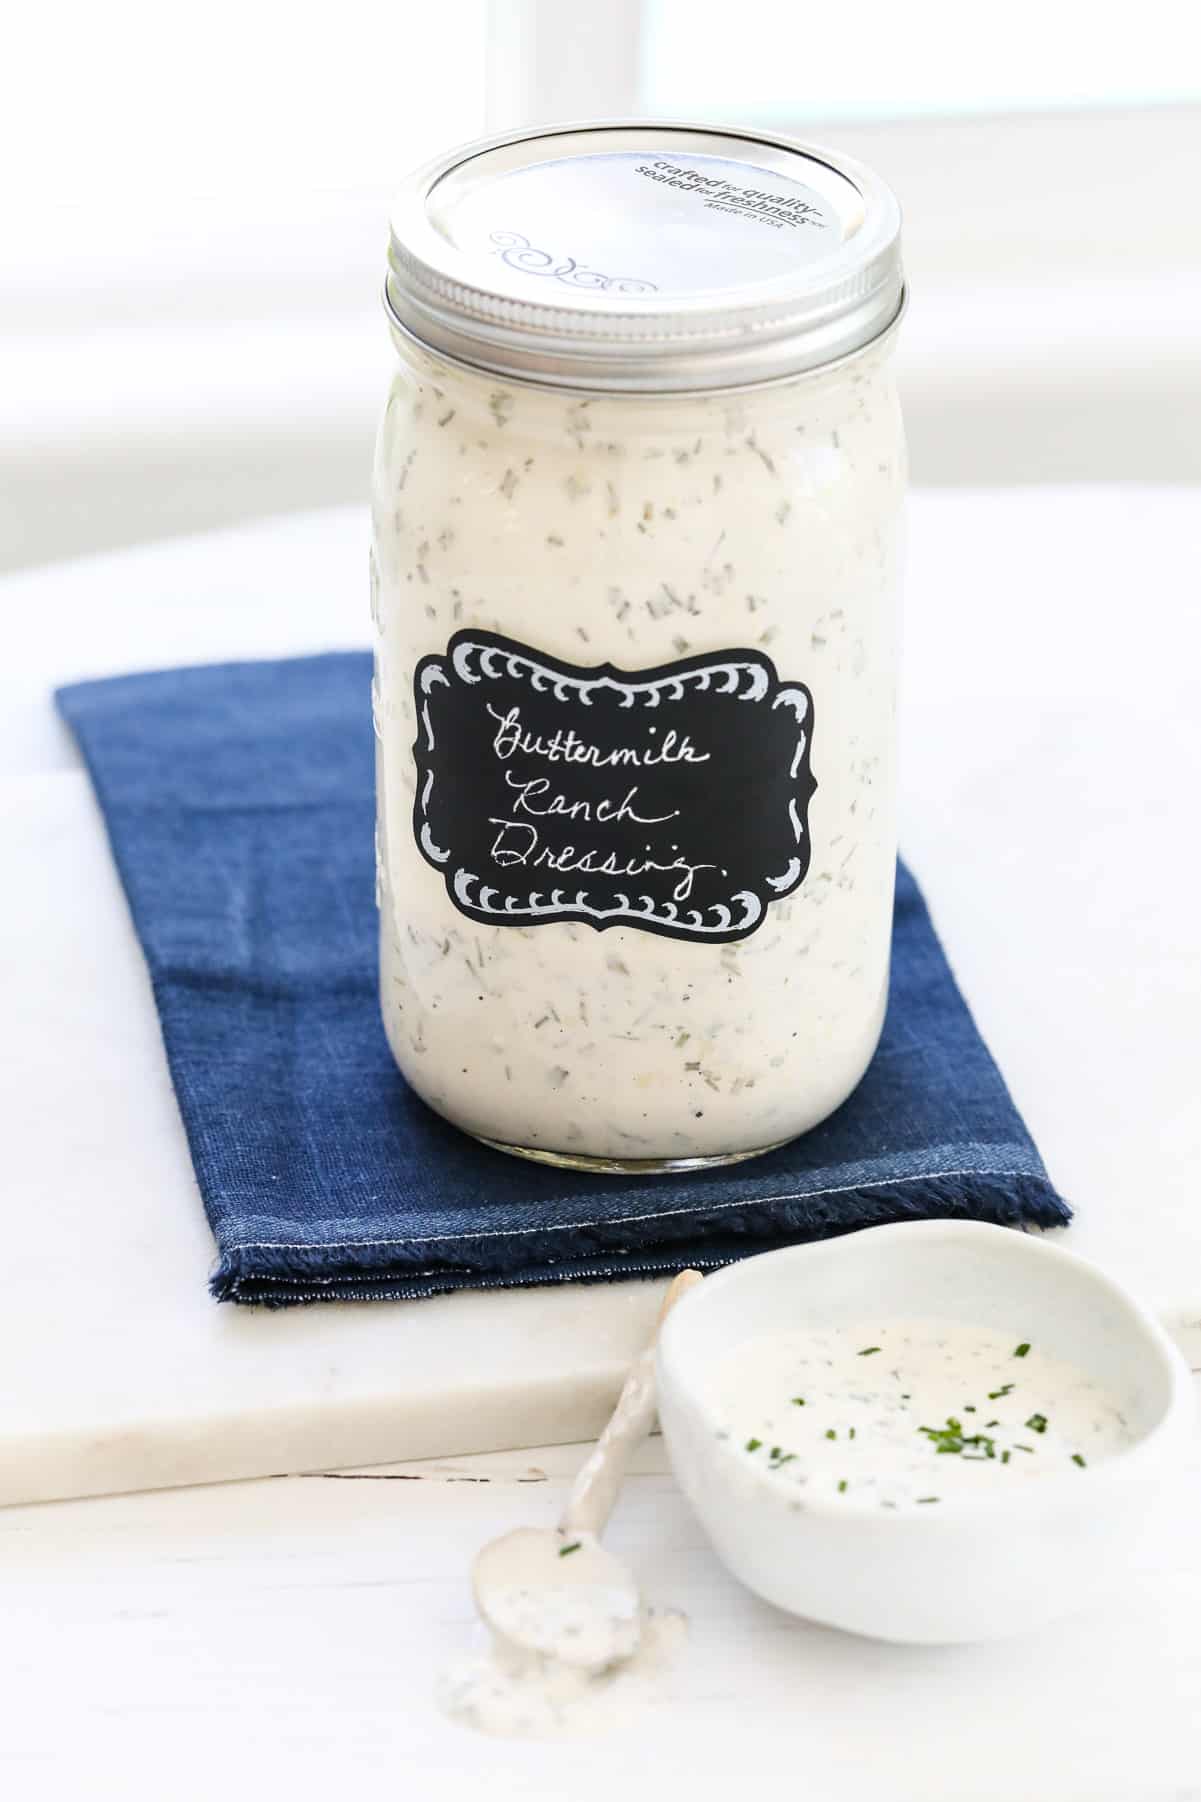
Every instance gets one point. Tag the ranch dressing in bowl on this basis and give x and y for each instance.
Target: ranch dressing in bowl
(636, 553)
(909, 1413)
(905, 1362)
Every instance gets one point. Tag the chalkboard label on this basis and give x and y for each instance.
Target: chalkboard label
(672, 799)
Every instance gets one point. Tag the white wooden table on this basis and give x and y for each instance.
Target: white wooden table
(281, 1637)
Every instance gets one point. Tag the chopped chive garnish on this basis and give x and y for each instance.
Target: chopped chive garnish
(842, 1487)
(991, 1423)
(752, 1445)
(851, 1433)
(1004, 1457)
(969, 1407)
(830, 1433)
(953, 1440)
(994, 1395)
(565, 1551)
(1022, 1349)
(868, 1350)
(1023, 1448)
(927, 1498)
(798, 1401)
(1077, 1459)
(1037, 1423)
(906, 1398)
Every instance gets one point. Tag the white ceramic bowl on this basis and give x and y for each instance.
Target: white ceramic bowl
(978, 1567)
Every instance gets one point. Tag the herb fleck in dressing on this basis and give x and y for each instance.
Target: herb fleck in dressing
(940, 1411)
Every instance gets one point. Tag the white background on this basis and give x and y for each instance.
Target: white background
(196, 205)
(878, 60)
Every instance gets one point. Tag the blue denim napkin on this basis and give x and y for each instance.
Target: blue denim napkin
(239, 804)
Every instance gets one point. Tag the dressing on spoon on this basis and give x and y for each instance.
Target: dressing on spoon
(566, 1617)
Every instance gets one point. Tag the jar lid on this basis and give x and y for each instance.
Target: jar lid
(644, 257)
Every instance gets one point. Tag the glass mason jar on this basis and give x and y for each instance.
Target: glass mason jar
(637, 506)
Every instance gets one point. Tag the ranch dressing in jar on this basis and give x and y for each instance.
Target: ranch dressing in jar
(636, 542)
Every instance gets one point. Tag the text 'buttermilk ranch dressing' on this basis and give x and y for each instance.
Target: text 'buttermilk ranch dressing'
(636, 545)
(909, 1413)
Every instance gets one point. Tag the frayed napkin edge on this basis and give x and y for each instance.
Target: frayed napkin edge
(435, 1266)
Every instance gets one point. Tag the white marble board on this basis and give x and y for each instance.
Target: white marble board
(1050, 769)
